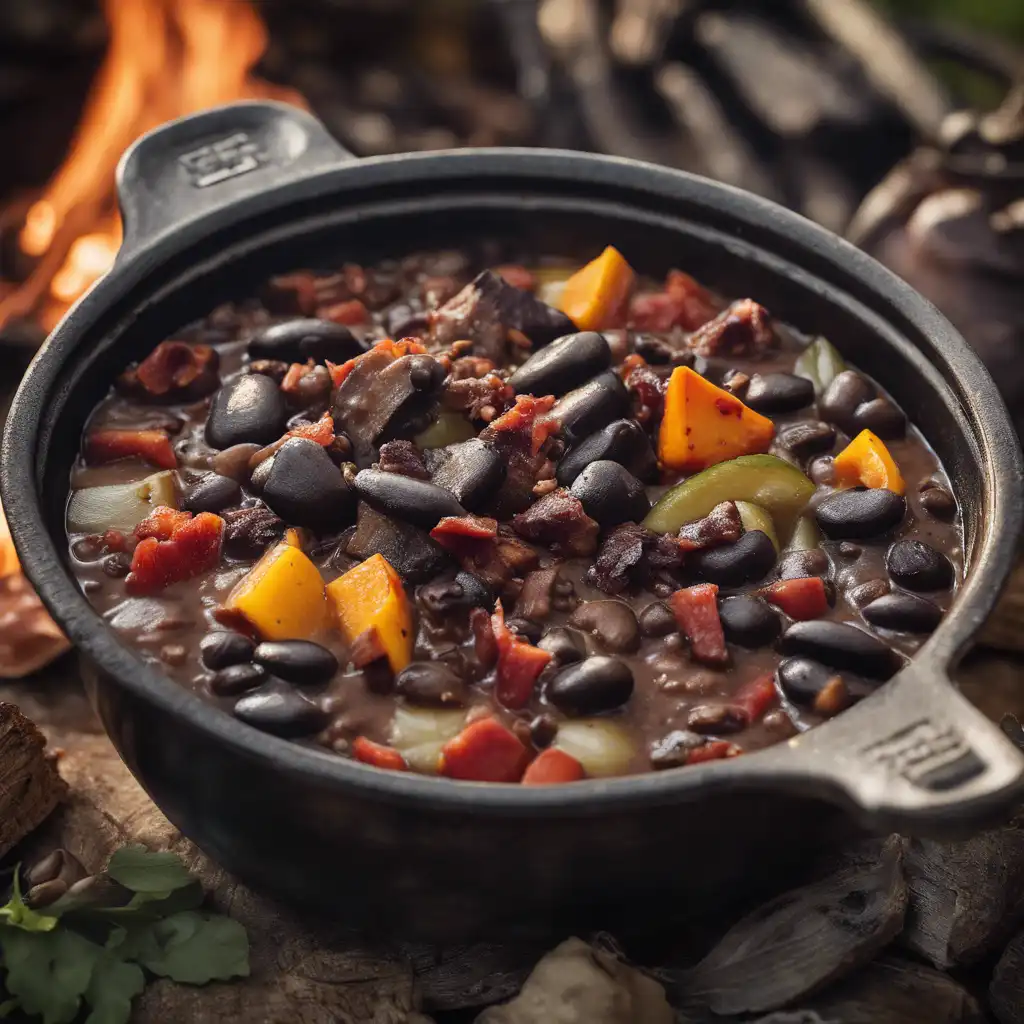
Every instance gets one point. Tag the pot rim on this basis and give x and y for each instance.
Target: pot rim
(45, 566)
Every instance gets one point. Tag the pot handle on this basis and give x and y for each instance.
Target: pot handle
(205, 162)
(917, 757)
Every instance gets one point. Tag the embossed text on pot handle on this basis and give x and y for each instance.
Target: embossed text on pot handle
(199, 164)
(917, 757)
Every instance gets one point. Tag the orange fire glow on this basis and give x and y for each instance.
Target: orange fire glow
(166, 58)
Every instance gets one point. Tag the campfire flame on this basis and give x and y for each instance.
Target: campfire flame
(166, 58)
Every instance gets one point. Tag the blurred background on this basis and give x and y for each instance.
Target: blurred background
(898, 122)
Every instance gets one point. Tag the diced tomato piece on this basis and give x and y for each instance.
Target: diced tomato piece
(517, 276)
(290, 381)
(192, 547)
(322, 431)
(552, 765)
(528, 417)
(696, 611)
(757, 696)
(464, 526)
(154, 446)
(716, 750)
(802, 598)
(350, 313)
(161, 523)
(519, 663)
(484, 752)
(378, 755)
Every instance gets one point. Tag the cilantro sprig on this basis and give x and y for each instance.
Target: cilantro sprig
(99, 945)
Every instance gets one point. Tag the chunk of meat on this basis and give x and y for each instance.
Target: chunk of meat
(647, 388)
(488, 308)
(485, 549)
(173, 372)
(696, 611)
(152, 446)
(192, 547)
(526, 425)
(404, 458)
(559, 522)
(744, 329)
(632, 556)
(481, 398)
(722, 525)
(684, 303)
(248, 532)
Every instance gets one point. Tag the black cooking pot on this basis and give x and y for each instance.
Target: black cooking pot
(215, 203)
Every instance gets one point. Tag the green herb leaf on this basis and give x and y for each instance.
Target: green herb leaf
(48, 972)
(113, 986)
(18, 914)
(142, 871)
(191, 947)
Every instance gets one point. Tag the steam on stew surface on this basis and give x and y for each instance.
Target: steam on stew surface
(529, 523)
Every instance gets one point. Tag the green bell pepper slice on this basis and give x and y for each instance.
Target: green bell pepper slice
(820, 363)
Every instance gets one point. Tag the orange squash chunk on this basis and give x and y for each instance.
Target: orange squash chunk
(370, 596)
(704, 425)
(281, 598)
(596, 296)
(866, 460)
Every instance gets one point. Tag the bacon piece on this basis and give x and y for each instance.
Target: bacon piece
(716, 750)
(153, 446)
(526, 421)
(722, 525)
(756, 697)
(801, 598)
(483, 549)
(558, 521)
(696, 611)
(475, 527)
(193, 546)
(519, 663)
(744, 329)
(484, 751)
(404, 458)
(322, 431)
(173, 370)
(647, 388)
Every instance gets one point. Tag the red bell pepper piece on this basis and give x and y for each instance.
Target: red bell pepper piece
(161, 523)
(757, 696)
(192, 547)
(696, 611)
(552, 765)
(519, 663)
(322, 431)
(716, 750)
(802, 598)
(484, 752)
(154, 446)
(378, 755)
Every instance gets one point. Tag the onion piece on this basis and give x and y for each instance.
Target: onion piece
(120, 506)
(602, 746)
(420, 733)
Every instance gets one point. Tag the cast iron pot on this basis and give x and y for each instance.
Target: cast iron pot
(215, 203)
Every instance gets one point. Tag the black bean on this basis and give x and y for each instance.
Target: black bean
(906, 613)
(543, 730)
(867, 592)
(566, 646)
(842, 646)
(476, 592)
(402, 497)
(305, 488)
(529, 631)
(591, 686)
(850, 550)
(296, 661)
(610, 494)
(748, 621)
(278, 709)
(211, 494)
(430, 684)
(234, 461)
(613, 623)
(623, 441)
(809, 438)
(236, 679)
(442, 597)
(592, 406)
(860, 513)
(117, 565)
(918, 566)
(795, 565)
(847, 391)
(937, 501)
(426, 373)
(731, 565)
(716, 719)
(295, 341)
(802, 679)
(822, 470)
(260, 475)
(250, 408)
(221, 648)
(657, 619)
(672, 751)
(778, 392)
(563, 365)
(881, 417)
(473, 472)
